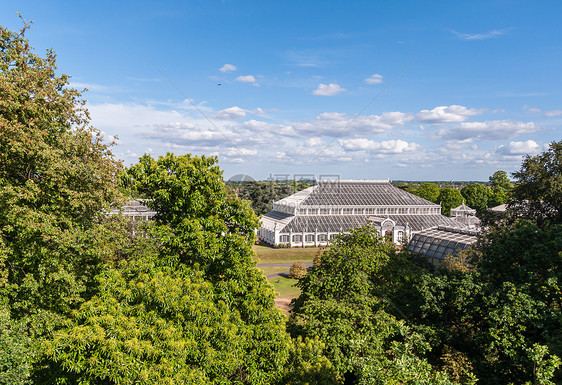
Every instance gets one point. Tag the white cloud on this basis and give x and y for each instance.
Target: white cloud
(335, 123)
(237, 135)
(487, 130)
(531, 109)
(328, 89)
(228, 68)
(240, 151)
(246, 79)
(231, 113)
(314, 142)
(519, 148)
(447, 114)
(387, 147)
(374, 79)
(553, 113)
(479, 36)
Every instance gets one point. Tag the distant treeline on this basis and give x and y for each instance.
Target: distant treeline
(262, 194)
(476, 195)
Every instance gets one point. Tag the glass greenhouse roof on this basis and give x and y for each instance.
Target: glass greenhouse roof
(354, 193)
(338, 223)
(441, 241)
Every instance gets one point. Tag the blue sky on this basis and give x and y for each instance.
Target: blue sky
(364, 90)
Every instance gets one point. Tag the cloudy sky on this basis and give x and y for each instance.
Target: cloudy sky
(440, 90)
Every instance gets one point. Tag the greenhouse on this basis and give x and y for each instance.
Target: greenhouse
(438, 243)
(313, 216)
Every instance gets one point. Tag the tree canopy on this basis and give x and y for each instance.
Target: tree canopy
(449, 198)
(263, 194)
(345, 301)
(56, 177)
(429, 191)
(476, 196)
(539, 185)
(500, 179)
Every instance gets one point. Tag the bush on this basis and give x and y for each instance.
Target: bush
(298, 271)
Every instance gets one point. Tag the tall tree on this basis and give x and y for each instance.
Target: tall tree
(200, 225)
(449, 198)
(503, 315)
(476, 196)
(56, 177)
(429, 191)
(539, 185)
(501, 189)
(500, 179)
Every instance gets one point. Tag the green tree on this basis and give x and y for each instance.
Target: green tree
(539, 185)
(500, 179)
(263, 194)
(163, 325)
(198, 223)
(498, 196)
(449, 198)
(501, 189)
(16, 352)
(476, 196)
(344, 302)
(429, 191)
(501, 314)
(56, 177)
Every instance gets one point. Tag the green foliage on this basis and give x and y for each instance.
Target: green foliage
(199, 224)
(16, 351)
(539, 184)
(344, 303)
(317, 260)
(449, 198)
(476, 196)
(297, 271)
(501, 189)
(401, 364)
(506, 307)
(498, 196)
(56, 177)
(163, 325)
(309, 365)
(500, 179)
(429, 191)
(200, 221)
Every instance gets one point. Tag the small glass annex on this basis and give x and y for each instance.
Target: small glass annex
(438, 243)
(313, 216)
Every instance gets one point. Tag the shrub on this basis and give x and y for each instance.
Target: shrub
(298, 271)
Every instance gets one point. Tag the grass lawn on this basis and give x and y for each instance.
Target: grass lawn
(273, 269)
(284, 287)
(270, 255)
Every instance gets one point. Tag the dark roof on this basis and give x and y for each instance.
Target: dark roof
(362, 193)
(276, 215)
(336, 223)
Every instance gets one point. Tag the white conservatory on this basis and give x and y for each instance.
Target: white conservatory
(313, 216)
